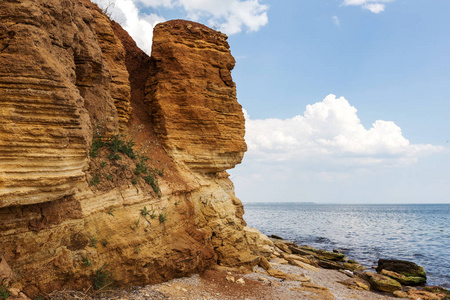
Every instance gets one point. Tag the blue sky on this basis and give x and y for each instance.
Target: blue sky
(347, 101)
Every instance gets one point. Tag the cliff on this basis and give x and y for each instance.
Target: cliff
(113, 163)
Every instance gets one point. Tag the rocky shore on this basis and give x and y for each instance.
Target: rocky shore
(285, 271)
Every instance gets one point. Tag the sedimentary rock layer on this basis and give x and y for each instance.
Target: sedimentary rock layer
(193, 97)
(66, 72)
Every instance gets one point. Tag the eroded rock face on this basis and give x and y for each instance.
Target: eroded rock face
(194, 97)
(60, 70)
(64, 69)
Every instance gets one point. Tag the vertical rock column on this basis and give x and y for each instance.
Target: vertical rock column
(193, 97)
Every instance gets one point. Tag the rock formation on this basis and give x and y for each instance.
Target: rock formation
(75, 207)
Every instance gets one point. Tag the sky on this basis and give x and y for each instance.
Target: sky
(346, 101)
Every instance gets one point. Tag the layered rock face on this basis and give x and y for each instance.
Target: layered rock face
(194, 97)
(66, 214)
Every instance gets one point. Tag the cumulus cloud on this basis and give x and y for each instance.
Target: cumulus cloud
(331, 131)
(228, 16)
(375, 6)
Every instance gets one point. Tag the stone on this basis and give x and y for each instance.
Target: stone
(303, 265)
(404, 280)
(5, 271)
(353, 266)
(289, 257)
(264, 280)
(263, 263)
(317, 291)
(278, 261)
(416, 294)
(328, 264)
(403, 267)
(258, 243)
(283, 247)
(277, 274)
(298, 277)
(277, 237)
(356, 284)
(230, 278)
(240, 281)
(383, 283)
(400, 294)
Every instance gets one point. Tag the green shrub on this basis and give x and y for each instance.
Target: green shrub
(162, 218)
(4, 293)
(86, 262)
(95, 180)
(101, 279)
(94, 242)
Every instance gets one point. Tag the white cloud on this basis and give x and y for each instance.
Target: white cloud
(228, 16)
(336, 21)
(330, 132)
(375, 6)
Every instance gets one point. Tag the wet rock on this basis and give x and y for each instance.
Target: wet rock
(405, 280)
(383, 283)
(273, 236)
(403, 267)
(328, 264)
(353, 266)
(283, 247)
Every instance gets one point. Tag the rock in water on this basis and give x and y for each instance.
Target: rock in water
(403, 267)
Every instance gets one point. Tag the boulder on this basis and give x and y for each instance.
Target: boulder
(258, 243)
(383, 283)
(403, 267)
(405, 280)
(264, 263)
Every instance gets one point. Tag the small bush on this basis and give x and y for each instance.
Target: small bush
(95, 180)
(4, 293)
(101, 279)
(94, 242)
(104, 242)
(86, 262)
(162, 218)
(109, 177)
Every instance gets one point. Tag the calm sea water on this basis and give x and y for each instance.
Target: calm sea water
(365, 233)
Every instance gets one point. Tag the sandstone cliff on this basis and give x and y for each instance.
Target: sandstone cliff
(73, 207)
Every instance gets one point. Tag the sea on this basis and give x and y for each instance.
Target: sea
(365, 233)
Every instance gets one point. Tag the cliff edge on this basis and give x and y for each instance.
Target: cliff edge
(113, 163)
